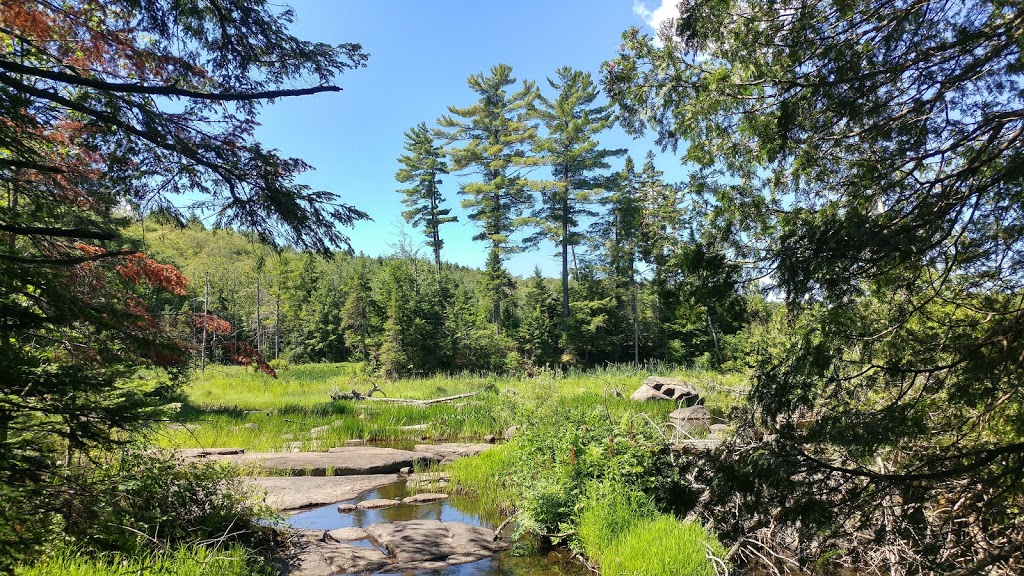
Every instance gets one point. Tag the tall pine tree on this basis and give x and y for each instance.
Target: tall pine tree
(422, 168)
(496, 137)
(573, 121)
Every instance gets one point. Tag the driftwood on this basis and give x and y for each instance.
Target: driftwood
(355, 394)
(497, 531)
(424, 402)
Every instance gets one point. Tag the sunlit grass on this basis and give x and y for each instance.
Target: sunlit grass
(663, 546)
(487, 476)
(186, 561)
(231, 406)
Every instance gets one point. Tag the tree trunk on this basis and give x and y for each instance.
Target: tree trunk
(259, 323)
(206, 312)
(565, 269)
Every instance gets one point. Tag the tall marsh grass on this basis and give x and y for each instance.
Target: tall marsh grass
(232, 406)
(664, 546)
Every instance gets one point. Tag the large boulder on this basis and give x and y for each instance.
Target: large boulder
(661, 388)
(691, 420)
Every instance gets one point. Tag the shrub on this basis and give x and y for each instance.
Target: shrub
(136, 501)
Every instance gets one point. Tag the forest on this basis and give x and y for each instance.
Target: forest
(838, 274)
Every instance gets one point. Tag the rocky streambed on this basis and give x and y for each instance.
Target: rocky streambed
(359, 510)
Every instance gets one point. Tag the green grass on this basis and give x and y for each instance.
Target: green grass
(487, 477)
(231, 406)
(663, 546)
(185, 561)
(609, 510)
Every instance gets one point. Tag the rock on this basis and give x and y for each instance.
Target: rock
(377, 503)
(645, 394)
(511, 432)
(452, 451)
(424, 498)
(313, 554)
(348, 534)
(692, 419)
(405, 471)
(661, 388)
(346, 508)
(345, 461)
(290, 493)
(490, 439)
(720, 429)
(417, 541)
(413, 540)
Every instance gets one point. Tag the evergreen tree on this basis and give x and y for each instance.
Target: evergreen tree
(573, 121)
(867, 154)
(496, 137)
(617, 237)
(358, 311)
(116, 104)
(539, 328)
(422, 168)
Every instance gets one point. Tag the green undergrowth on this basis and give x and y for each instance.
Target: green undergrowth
(230, 406)
(619, 529)
(192, 560)
(664, 546)
(595, 472)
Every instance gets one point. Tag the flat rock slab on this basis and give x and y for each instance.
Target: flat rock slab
(294, 492)
(411, 546)
(348, 534)
(424, 498)
(377, 503)
(452, 451)
(345, 461)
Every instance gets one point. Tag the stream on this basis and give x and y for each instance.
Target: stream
(524, 559)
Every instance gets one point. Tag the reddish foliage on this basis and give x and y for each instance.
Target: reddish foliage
(138, 265)
(246, 355)
(212, 323)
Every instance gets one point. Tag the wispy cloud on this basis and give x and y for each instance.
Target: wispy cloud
(655, 17)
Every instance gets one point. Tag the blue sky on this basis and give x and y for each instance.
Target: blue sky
(420, 55)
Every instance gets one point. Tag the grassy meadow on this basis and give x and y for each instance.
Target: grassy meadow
(234, 407)
(587, 463)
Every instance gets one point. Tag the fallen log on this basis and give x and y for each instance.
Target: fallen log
(424, 402)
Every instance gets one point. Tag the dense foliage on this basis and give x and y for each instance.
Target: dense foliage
(109, 108)
(866, 157)
(404, 317)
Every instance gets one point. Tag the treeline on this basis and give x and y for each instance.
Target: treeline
(402, 317)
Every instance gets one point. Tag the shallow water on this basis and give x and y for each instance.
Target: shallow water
(522, 560)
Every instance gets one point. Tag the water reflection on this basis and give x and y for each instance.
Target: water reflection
(523, 560)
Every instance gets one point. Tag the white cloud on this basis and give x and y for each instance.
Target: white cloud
(666, 10)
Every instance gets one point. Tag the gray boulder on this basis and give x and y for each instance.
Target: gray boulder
(691, 420)
(661, 388)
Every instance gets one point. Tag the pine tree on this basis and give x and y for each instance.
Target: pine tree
(538, 331)
(422, 168)
(116, 104)
(617, 237)
(358, 311)
(573, 121)
(496, 138)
